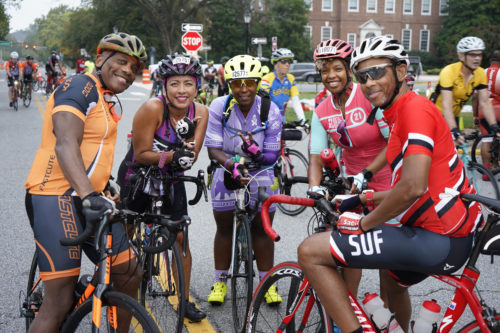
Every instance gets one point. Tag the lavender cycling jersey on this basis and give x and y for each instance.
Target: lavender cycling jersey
(217, 136)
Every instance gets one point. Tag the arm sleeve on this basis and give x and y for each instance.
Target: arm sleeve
(319, 136)
(297, 107)
(78, 95)
(272, 139)
(382, 124)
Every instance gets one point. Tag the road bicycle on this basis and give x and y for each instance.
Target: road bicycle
(15, 94)
(480, 177)
(297, 316)
(26, 93)
(291, 169)
(96, 306)
(162, 290)
(494, 151)
(40, 83)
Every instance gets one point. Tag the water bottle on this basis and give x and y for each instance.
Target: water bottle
(427, 318)
(329, 160)
(82, 284)
(381, 316)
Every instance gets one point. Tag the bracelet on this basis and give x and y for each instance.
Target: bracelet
(163, 159)
(369, 198)
(227, 161)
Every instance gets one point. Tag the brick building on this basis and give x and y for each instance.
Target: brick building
(413, 22)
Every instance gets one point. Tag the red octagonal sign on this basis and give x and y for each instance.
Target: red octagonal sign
(192, 41)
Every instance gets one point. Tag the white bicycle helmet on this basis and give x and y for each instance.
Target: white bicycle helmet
(281, 54)
(470, 43)
(14, 55)
(379, 47)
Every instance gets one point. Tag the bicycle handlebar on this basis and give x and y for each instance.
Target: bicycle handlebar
(89, 229)
(172, 226)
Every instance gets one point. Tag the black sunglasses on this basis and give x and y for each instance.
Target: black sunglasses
(374, 73)
(285, 61)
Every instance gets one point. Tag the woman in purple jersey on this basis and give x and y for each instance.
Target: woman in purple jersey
(240, 112)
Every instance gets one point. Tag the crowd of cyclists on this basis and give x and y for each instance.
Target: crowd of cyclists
(399, 149)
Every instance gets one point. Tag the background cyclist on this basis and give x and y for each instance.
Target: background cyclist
(436, 233)
(51, 70)
(342, 117)
(281, 85)
(156, 141)
(210, 74)
(223, 88)
(13, 69)
(29, 72)
(73, 165)
(457, 83)
(225, 146)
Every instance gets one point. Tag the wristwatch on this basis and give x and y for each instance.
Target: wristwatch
(368, 174)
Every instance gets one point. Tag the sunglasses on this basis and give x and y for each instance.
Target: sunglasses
(344, 139)
(474, 55)
(373, 73)
(285, 61)
(114, 104)
(238, 84)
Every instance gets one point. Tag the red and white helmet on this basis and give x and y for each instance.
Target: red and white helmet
(333, 48)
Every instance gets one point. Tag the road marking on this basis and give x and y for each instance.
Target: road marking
(39, 105)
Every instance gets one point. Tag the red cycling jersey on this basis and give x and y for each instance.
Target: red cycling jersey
(417, 127)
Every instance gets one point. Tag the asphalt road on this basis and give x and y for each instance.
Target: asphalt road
(19, 139)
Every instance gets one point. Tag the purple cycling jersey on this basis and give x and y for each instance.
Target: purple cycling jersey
(268, 140)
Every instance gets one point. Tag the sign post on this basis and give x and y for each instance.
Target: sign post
(274, 46)
(259, 41)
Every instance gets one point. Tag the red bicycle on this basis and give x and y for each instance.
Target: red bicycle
(295, 315)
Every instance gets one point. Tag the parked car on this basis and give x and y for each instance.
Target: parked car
(304, 71)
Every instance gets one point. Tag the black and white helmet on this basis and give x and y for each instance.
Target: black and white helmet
(281, 54)
(470, 43)
(379, 47)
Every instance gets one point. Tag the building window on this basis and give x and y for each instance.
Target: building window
(424, 40)
(371, 6)
(443, 7)
(390, 6)
(406, 39)
(353, 6)
(308, 31)
(426, 7)
(408, 7)
(351, 39)
(390, 36)
(326, 5)
(326, 33)
(309, 4)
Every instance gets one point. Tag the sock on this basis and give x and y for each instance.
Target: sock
(220, 275)
(262, 274)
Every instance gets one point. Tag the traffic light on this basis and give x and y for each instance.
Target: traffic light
(34, 47)
(26, 46)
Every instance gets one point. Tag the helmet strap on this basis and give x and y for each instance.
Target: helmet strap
(465, 65)
(99, 72)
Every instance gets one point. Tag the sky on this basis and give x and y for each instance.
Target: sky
(32, 9)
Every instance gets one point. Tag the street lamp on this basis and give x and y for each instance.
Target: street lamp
(247, 17)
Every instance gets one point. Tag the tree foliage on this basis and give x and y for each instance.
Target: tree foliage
(49, 30)
(469, 18)
(285, 19)
(4, 22)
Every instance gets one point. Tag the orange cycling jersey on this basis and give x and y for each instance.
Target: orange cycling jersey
(417, 127)
(81, 95)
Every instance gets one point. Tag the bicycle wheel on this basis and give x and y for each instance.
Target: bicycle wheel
(80, 320)
(288, 278)
(473, 326)
(475, 153)
(34, 293)
(15, 105)
(27, 98)
(159, 293)
(242, 274)
(293, 164)
(483, 180)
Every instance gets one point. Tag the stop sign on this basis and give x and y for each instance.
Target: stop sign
(192, 41)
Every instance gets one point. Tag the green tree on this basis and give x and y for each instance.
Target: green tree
(285, 19)
(49, 30)
(226, 32)
(469, 18)
(4, 22)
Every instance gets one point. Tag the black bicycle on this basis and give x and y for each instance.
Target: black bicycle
(162, 290)
(26, 93)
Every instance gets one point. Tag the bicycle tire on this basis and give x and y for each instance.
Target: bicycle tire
(295, 165)
(485, 187)
(80, 320)
(27, 99)
(15, 105)
(242, 275)
(473, 326)
(34, 296)
(287, 277)
(158, 292)
(474, 147)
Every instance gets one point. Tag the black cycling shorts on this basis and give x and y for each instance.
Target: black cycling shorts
(28, 78)
(10, 81)
(55, 217)
(409, 253)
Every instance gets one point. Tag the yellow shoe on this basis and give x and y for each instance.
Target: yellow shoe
(218, 293)
(272, 297)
